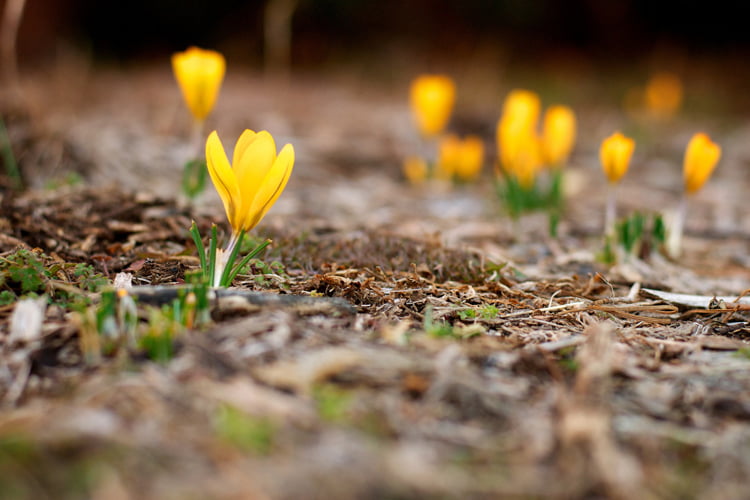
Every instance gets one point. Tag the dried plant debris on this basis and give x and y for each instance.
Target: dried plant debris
(348, 365)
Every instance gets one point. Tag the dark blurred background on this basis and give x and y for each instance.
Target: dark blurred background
(327, 31)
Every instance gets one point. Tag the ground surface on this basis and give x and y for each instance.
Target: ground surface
(476, 363)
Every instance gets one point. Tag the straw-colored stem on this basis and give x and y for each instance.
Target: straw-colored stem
(197, 140)
(674, 240)
(610, 212)
(222, 259)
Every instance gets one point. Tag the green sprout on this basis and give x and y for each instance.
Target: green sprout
(248, 433)
(209, 260)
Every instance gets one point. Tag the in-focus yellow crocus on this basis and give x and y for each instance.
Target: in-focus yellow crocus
(558, 135)
(252, 183)
(701, 157)
(432, 98)
(663, 94)
(199, 74)
(614, 154)
(415, 169)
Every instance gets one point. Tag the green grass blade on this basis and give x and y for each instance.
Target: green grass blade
(225, 275)
(212, 254)
(247, 258)
(200, 247)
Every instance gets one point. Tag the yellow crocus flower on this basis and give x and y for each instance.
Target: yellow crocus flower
(432, 98)
(701, 157)
(522, 106)
(471, 158)
(517, 125)
(199, 74)
(415, 169)
(615, 153)
(252, 183)
(663, 94)
(460, 158)
(449, 156)
(520, 151)
(558, 134)
(526, 160)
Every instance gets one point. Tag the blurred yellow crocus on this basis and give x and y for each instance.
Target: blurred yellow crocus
(663, 94)
(522, 107)
(252, 183)
(615, 153)
(558, 135)
(520, 151)
(516, 130)
(432, 98)
(701, 157)
(199, 74)
(526, 160)
(460, 158)
(415, 169)
(471, 159)
(449, 156)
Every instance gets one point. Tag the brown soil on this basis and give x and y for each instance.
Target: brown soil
(557, 377)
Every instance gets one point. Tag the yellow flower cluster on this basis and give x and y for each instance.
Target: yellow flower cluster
(461, 159)
(521, 149)
(432, 98)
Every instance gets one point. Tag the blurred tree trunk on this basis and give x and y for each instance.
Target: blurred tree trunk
(277, 36)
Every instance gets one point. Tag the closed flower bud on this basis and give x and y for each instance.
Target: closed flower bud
(432, 98)
(615, 153)
(199, 74)
(701, 157)
(558, 135)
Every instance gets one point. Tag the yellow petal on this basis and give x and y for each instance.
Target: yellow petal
(223, 177)
(271, 186)
(257, 158)
(199, 74)
(243, 142)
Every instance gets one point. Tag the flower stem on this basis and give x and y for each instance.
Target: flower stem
(611, 211)
(674, 241)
